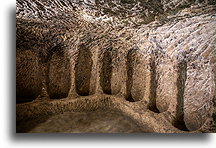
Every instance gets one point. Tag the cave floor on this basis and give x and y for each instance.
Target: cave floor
(80, 122)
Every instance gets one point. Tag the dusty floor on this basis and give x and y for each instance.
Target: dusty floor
(80, 122)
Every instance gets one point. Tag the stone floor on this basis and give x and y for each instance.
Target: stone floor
(81, 122)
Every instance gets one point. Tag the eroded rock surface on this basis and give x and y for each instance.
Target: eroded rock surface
(152, 61)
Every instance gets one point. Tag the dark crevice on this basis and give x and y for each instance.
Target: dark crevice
(106, 71)
(129, 67)
(28, 76)
(153, 87)
(25, 100)
(57, 73)
(83, 70)
(58, 95)
(181, 79)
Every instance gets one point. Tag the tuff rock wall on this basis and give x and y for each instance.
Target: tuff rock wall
(151, 60)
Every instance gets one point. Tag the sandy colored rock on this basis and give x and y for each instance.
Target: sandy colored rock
(152, 62)
(28, 76)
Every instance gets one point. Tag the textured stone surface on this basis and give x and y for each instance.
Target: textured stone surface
(58, 79)
(154, 59)
(82, 122)
(28, 75)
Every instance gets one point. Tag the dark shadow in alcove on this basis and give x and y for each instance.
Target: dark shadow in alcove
(58, 77)
(83, 70)
(106, 71)
(181, 79)
(28, 73)
(129, 68)
(27, 61)
(153, 87)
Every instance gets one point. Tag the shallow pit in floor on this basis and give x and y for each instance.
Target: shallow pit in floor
(81, 122)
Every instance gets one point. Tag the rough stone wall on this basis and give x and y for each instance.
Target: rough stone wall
(154, 59)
